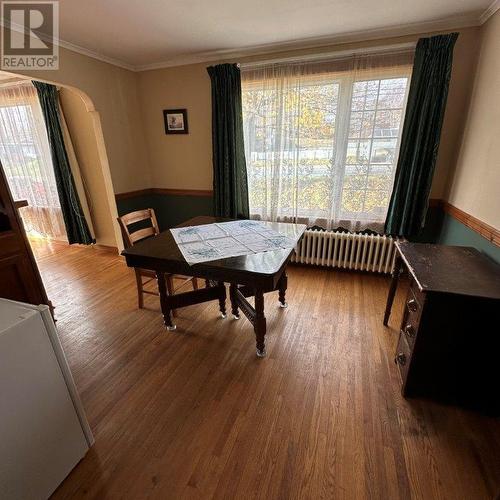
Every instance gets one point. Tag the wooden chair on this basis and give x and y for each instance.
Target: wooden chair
(130, 237)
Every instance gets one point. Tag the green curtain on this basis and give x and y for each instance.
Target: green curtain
(76, 226)
(421, 133)
(230, 171)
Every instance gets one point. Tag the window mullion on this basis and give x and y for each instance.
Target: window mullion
(342, 135)
(371, 148)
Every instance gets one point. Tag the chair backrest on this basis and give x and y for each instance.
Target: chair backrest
(131, 237)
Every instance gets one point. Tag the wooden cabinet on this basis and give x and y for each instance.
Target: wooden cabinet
(449, 337)
(19, 276)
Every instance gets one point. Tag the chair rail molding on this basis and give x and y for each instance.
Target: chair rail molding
(166, 191)
(485, 230)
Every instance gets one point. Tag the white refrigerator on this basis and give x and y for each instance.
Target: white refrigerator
(43, 429)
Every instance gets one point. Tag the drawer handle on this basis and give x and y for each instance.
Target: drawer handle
(409, 330)
(400, 359)
(412, 305)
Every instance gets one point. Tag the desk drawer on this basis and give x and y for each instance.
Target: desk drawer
(411, 319)
(416, 295)
(403, 358)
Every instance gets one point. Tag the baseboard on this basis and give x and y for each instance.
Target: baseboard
(106, 248)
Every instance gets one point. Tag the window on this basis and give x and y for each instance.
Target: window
(26, 159)
(322, 141)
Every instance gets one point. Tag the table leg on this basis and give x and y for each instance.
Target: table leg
(396, 271)
(260, 323)
(169, 281)
(165, 308)
(222, 299)
(234, 303)
(282, 285)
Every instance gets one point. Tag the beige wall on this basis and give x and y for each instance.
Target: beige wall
(475, 187)
(113, 94)
(185, 161)
(462, 78)
(81, 129)
(178, 161)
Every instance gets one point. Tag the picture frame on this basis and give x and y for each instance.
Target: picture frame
(175, 121)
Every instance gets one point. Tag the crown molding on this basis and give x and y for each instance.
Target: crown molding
(495, 5)
(457, 22)
(95, 55)
(465, 21)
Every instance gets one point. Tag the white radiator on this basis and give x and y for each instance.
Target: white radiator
(360, 252)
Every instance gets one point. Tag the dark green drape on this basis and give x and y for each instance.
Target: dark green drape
(76, 226)
(230, 171)
(421, 133)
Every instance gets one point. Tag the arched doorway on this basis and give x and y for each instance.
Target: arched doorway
(87, 145)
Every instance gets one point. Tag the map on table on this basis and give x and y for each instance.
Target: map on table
(228, 239)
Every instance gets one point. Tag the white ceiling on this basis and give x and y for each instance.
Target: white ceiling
(143, 33)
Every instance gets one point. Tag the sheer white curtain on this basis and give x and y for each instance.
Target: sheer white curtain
(322, 138)
(26, 159)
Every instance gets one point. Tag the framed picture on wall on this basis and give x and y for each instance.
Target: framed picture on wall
(175, 121)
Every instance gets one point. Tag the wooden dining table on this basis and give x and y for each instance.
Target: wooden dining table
(248, 275)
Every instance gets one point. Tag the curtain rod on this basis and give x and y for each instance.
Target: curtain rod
(339, 54)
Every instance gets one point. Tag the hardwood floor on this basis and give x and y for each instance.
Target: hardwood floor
(195, 414)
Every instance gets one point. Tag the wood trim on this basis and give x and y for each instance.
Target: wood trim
(183, 192)
(494, 6)
(172, 192)
(485, 230)
(133, 194)
(106, 248)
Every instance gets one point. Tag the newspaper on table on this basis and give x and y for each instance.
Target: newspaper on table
(228, 239)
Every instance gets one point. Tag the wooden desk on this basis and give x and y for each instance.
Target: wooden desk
(449, 336)
(21, 203)
(248, 275)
